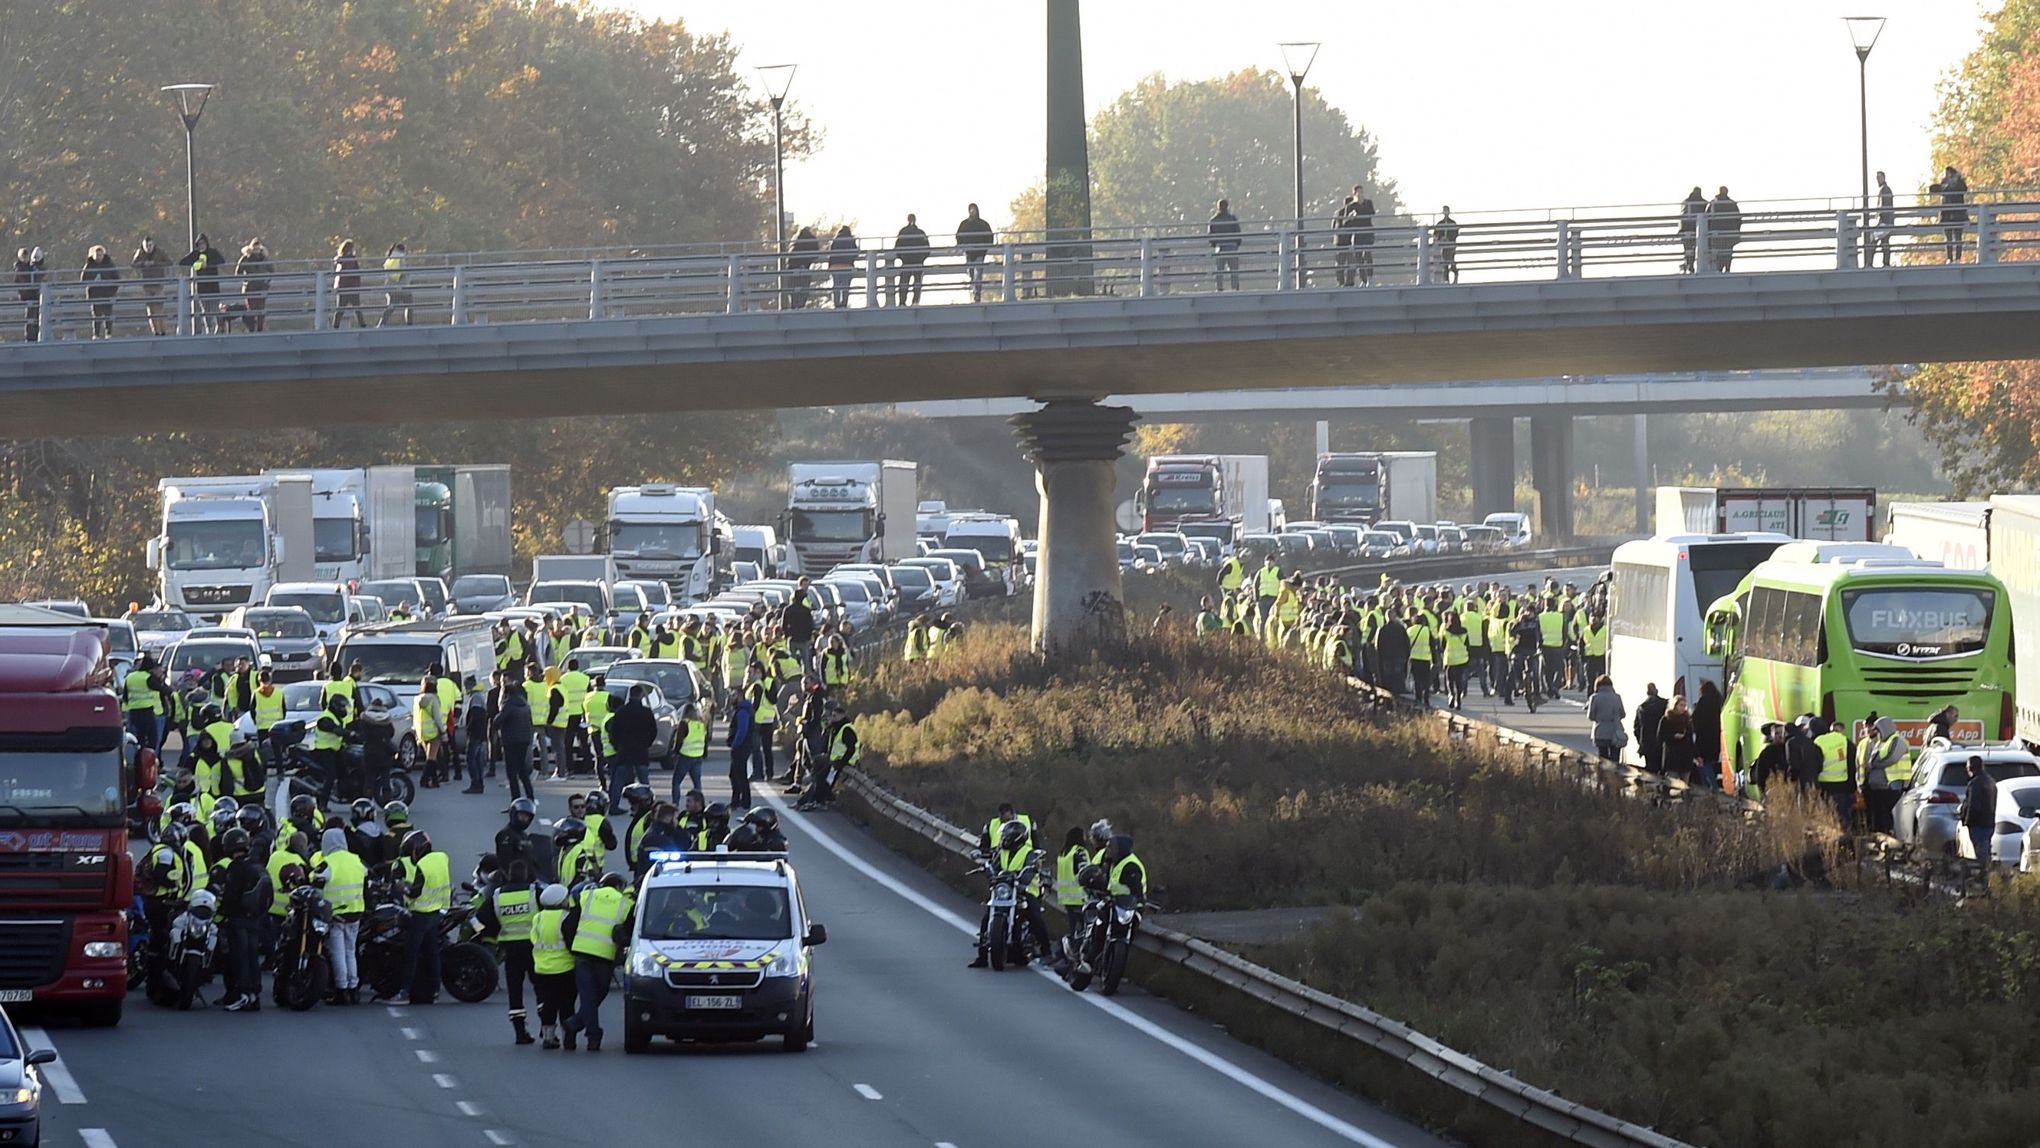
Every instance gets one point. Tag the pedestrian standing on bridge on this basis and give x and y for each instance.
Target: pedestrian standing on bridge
(842, 265)
(29, 268)
(1954, 193)
(1342, 240)
(1724, 228)
(1887, 220)
(910, 247)
(347, 286)
(1225, 244)
(801, 257)
(102, 283)
(1363, 241)
(974, 236)
(152, 265)
(396, 296)
(1445, 239)
(1690, 212)
(254, 269)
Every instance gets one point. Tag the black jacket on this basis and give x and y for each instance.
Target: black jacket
(1979, 803)
(1225, 228)
(1649, 712)
(799, 620)
(1392, 642)
(513, 721)
(1802, 757)
(632, 731)
(911, 245)
(974, 235)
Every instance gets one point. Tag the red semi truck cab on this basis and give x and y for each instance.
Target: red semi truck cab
(66, 879)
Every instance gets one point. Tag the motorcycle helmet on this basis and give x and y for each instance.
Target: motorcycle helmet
(598, 801)
(764, 817)
(1101, 832)
(717, 813)
(222, 816)
(304, 896)
(174, 835)
(640, 796)
(744, 838)
(233, 841)
(251, 818)
(363, 809)
(552, 896)
(396, 815)
(202, 905)
(1094, 877)
(208, 714)
(488, 868)
(523, 811)
(291, 876)
(614, 881)
(183, 813)
(1012, 835)
(416, 843)
(568, 832)
(303, 806)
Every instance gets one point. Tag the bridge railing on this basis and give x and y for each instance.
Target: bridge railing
(732, 280)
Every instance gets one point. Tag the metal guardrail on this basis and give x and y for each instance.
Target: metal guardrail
(1164, 261)
(1479, 1081)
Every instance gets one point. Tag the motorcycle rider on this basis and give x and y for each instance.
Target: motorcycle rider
(1124, 870)
(601, 833)
(506, 915)
(364, 834)
(202, 758)
(990, 839)
(642, 802)
(600, 916)
(164, 879)
(1068, 893)
(1101, 836)
(329, 737)
(552, 965)
(294, 850)
(346, 884)
(765, 820)
(255, 819)
(570, 841)
(515, 842)
(1014, 853)
(664, 831)
(715, 826)
(244, 903)
(304, 817)
(244, 778)
(396, 819)
(428, 891)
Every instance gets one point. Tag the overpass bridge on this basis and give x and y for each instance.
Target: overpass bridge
(1127, 314)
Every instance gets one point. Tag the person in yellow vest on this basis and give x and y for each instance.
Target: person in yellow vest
(835, 662)
(505, 914)
(997, 825)
(1837, 775)
(427, 878)
(690, 751)
(1474, 618)
(552, 965)
(1455, 643)
(665, 643)
(294, 851)
(917, 644)
(206, 773)
(1068, 893)
(266, 705)
(764, 697)
(346, 894)
(595, 713)
(1208, 621)
(593, 810)
(243, 776)
(345, 686)
(1551, 645)
(1594, 644)
(1267, 587)
(1232, 574)
(1422, 638)
(599, 921)
(566, 712)
(538, 699)
(428, 724)
(1884, 766)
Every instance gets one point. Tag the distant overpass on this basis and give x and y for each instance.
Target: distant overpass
(1822, 388)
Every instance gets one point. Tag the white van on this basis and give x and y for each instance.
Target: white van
(330, 604)
(397, 654)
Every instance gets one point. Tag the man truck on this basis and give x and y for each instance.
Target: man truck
(224, 540)
(671, 534)
(838, 512)
(1364, 488)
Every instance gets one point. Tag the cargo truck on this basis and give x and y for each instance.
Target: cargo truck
(463, 521)
(1827, 514)
(356, 515)
(67, 775)
(1366, 487)
(223, 540)
(1183, 488)
(839, 512)
(2014, 547)
(671, 534)
(1955, 534)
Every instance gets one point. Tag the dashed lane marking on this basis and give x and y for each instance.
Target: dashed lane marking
(1113, 1009)
(54, 1074)
(409, 1033)
(426, 1055)
(444, 1081)
(468, 1107)
(867, 1092)
(498, 1138)
(97, 1138)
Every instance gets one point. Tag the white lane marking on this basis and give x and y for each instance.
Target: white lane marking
(54, 1074)
(426, 1055)
(497, 1138)
(938, 1143)
(444, 1081)
(468, 1107)
(97, 1138)
(397, 1012)
(867, 1092)
(409, 1033)
(1113, 1009)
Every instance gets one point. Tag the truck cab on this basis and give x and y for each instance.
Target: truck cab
(671, 534)
(217, 548)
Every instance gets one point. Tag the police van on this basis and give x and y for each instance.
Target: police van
(722, 951)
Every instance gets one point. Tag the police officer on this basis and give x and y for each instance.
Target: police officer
(506, 915)
(600, 917)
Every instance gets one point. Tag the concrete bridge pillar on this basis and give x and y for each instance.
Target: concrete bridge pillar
(1074, 444)
(1492, 465)
(1551, 469)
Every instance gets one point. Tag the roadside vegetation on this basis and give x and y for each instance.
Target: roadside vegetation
(1728, 981)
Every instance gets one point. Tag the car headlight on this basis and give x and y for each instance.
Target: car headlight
(104, 949)
(787, 961)
(16, 1097)
(645, 963)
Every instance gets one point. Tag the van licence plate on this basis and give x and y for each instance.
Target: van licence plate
(15, 996)
(715, 1002)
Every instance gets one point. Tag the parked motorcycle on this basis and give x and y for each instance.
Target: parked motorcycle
(304, 974)
(284, 753)
(1009, 936)
(467, 969)
(1104, 935)
(188, 958)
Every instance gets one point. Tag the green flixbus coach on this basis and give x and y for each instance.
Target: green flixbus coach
(1841, 630)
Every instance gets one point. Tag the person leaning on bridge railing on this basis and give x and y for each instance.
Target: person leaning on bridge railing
(974, 238)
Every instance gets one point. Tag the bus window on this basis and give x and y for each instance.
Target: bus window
(1919, 621)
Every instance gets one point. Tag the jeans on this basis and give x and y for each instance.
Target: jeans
(517, 768)
(556, 748)
(142, 723)
(341, 940)
(622, 773)
(477, 760)
(839, 289)
(909, 280)
(740, 776)
(1228, 263)
(421, 955)
(766, 733)
(244, 957)
(689, 768)
(1979, 843)
(591, 983)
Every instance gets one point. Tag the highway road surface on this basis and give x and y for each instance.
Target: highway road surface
(912, 1048)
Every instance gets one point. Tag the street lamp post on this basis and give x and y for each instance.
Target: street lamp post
(191, 100)
(1297, 57)
(1863, 33)
(778, 79)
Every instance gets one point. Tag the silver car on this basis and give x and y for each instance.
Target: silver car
(158, 630)
(289, 637)
(1925, 815)
(681, 681)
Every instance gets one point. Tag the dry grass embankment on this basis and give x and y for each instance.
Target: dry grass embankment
(1636, 958)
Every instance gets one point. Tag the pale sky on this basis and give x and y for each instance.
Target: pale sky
(1482, 104)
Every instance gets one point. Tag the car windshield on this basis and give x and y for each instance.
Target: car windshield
(235, 544)
(656, 539)
(392, 591)
(715, 913)
(69, 786)
(594, 661)
(587, 594)
(852, 591)
(912, 578)
(206, 655)
(333, 540)
(120, 639)
(1919, 621)
(280, 624)
(829, 526)
(655, 593)
(391, 663)
(672, 679)
(481, 586)
(326, 608)
(161, 621)
(1169, 544)
(995, 547)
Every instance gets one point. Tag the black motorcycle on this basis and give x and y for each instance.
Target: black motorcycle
(188, 955)
(1009, 935)
(1103, 940)
(467, 969)
(284, 752)
(304, 975)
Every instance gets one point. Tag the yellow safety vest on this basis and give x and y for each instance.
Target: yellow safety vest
(1551, 629)
(836, 668)
(1455, 648)
(141, 696)
(1067, 891)
(1420, 643)
(573, 687)
(602, 910)
(549, 954)
(593, 842)
(1834, 757)
(1595, 640)
(768, 709)
(346, 877)
(538, 696)
(694, 742)
(268, 707)
(1898, 773)
(195, 875)
(595, 708)
(437, 892)
(279, 897)
(666, 647)
(1268, 582)
(339, 687)
(1231, 574)
(836, 745)
(428, 720)
(734, 657)
(917, 643)
(1119, 887)
(513, 914)
(173, 881)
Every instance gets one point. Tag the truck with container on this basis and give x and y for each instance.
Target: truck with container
(1823, 513)
(463, 521)
(2014, 549)
(69, 775)
(357, 515)
(1955, 534)
(1177, 488)
(671, 534)
(838, 512)
(224, 540)
(1367, 486)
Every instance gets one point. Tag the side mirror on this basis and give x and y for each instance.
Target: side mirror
(43, 1056)
(817, 934)
(147, 767)
(280, 549)
(154, 552)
